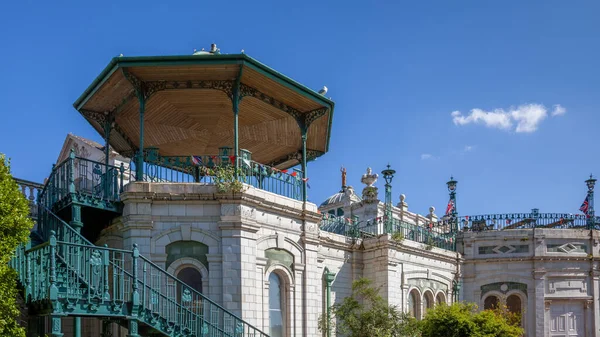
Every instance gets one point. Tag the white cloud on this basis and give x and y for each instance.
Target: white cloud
(493, 119)
(527, 117)
(559, 110)
(469, 148)
(427, 156)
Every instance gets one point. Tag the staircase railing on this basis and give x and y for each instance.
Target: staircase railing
(119, 282)
(82, 177)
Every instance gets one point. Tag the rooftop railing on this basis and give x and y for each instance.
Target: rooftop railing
(433, 234)
(534, 219)
(204, 169)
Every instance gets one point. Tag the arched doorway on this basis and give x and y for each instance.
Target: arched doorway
(491, 302)
(277, 314)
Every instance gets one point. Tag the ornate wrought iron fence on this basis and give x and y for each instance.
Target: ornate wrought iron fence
(202, 169)
(81, 178)
(434, 234)
(534, 219)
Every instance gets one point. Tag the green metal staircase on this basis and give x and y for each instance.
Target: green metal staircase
(63, 274)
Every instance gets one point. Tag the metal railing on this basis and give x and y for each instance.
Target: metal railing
(434, 234)
(82, 178)
(122, 282)
(203, 169)
(488, 222)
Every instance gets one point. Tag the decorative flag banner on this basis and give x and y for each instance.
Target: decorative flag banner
(508, 221)
(246, 162)
(586, 204)
(283, 171)
(197, 160)
(294, 174)
(450, 207)
(304, 179)
(232, 159)
(467, 218)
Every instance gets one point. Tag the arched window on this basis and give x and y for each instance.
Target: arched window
(440, 299)
(276, 306)
(513, 304)
(340, 212)
(428, 300)
(491, 302)
(413, 304)
(192, 277)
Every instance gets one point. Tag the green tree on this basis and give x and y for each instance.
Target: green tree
(463, 320)
(15, 226)
(366, 314)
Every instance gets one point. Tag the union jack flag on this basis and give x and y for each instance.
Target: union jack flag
(197, 160)
(586, 204)
(450, 207)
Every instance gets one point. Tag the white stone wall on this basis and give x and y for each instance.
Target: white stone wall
(558, 267)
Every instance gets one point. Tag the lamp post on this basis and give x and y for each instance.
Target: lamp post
(591, 220)
(388, 175)
(452, 189)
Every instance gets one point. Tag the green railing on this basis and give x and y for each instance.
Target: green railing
(534, 219)
(102, 281)
(202, 169)
(433, 234)
(81, 179)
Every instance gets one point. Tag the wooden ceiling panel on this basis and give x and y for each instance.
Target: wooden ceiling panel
(278, 91)
(254, 111)
(110, 94)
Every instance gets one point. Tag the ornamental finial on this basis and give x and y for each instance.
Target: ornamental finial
(343, 170)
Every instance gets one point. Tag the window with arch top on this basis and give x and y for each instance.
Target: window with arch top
(277, 312)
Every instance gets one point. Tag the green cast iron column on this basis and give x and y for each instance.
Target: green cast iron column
(107, 129)
(329, 277)
(139, 164)
(388, 175)
(591, 217)
(304, 173)
(235, 101)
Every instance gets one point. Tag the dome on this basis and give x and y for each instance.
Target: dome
(344, 196)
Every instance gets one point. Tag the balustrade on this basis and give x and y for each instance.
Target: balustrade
(434, 234)
(205, 169)
(487, 222)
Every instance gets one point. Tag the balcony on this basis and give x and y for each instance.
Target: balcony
(212, 169)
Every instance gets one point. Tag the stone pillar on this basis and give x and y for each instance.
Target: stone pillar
(313, 282)
(238, 245)
(215, 277)
(539, 281)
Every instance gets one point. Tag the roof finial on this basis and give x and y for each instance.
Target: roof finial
(343, 170)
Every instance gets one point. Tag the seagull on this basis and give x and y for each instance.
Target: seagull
(121, 55)
(242, 51)
(323, 91)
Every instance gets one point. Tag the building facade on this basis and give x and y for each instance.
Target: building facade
(152, 242)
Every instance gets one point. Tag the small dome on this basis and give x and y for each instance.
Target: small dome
(340, 198)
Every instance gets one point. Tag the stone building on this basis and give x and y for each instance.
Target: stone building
(150, 235)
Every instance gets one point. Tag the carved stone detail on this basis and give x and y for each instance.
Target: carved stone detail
(231, 209)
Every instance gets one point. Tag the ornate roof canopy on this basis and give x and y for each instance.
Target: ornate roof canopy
(189, 103)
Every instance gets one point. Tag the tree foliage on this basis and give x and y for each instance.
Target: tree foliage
(463, 320)
(366, 314)
(15, 226)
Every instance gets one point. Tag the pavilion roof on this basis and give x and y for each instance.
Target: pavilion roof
(180, 121)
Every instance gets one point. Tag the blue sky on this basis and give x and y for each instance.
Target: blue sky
(397, 70)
